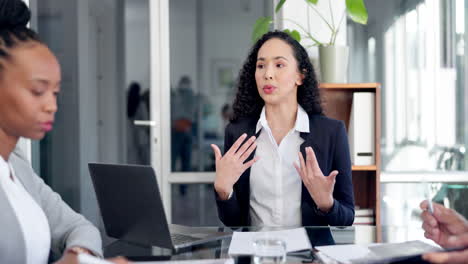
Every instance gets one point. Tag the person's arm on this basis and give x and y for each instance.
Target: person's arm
(228, 209)
(223, 193)
(342, 212)
(332, 194)
(447, 228)
(457, 254)
(68, 228)
(229, 168)
(442, 224)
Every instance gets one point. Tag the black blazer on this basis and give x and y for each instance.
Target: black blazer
(329, 141)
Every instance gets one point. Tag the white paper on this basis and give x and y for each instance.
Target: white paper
(295, 239)
(191, 261)
(345, 253)
(375, 253)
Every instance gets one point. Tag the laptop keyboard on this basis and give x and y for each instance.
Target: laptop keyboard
(178, 239)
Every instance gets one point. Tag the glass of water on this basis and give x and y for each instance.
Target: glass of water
(269, 251)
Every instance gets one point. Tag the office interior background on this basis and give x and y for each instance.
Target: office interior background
(184, 56)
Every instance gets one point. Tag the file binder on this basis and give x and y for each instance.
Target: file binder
(362, 129)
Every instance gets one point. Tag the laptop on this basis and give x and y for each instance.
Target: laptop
(132, 209)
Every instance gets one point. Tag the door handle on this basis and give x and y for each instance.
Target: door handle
(149, 123)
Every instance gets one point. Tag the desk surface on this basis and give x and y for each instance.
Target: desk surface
(318, 236)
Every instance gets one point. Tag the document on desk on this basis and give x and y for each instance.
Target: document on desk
(242, 242)
(376, 253)
(191, 261)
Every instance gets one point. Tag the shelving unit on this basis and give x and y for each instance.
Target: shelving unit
(337, 100)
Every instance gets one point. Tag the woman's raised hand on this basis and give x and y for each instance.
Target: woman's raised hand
(320, 187)
(230, 167)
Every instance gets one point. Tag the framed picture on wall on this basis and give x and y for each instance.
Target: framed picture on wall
(224, 74)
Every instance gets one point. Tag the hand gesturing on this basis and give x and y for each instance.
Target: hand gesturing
(447, 228)
(442, 224)
(319, 186)
(231, 166)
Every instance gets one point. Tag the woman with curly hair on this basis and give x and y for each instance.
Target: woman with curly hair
(285, 163)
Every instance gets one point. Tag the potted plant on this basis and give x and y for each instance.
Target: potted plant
(333, 58)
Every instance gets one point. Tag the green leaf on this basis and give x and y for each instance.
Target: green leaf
(312, 1)
(357, 11)
(294, 34)
(262, 25)
(279, 5)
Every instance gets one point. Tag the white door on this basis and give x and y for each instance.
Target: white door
(159, 83)
(197, 48)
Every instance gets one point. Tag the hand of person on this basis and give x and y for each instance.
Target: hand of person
(442, 224)
(68, 258)
(319, 186)
(230, 167)
(119, 260)
(455, 257)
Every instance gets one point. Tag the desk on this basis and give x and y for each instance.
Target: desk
(318, 236)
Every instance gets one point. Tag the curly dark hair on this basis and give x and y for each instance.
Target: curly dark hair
(248, 102)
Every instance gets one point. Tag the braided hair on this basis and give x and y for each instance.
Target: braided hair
(14, 17)
(248, 102)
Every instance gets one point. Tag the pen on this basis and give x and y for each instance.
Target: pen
(88, 259)
(430, 207)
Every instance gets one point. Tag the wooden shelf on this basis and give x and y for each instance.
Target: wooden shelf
(337, 100)
(365, 168)
(354, 86)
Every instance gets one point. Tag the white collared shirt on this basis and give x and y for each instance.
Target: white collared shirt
(32, 220)
(275, 185)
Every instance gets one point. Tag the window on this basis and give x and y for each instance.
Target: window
(416, 50)
(423, 119)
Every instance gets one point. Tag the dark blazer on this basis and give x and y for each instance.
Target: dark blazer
(329, 141)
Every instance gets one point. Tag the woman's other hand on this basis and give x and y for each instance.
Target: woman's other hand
(320, 187)
(230, 167)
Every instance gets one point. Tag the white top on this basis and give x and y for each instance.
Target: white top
(275, 185)
(32, 220)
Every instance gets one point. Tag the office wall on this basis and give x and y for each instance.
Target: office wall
(103, 102)
(184, 44)
(137, 44)
(58, 28)
(88, 122)
(110, 77)
(87, 107)
(183, 40)
(74, 138)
